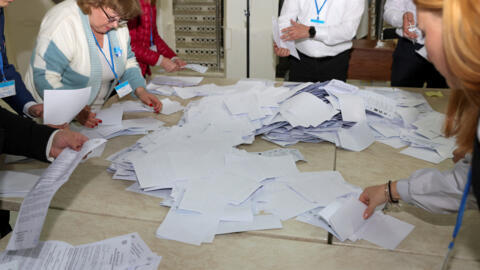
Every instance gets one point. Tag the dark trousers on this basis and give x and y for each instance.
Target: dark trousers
(5, 227)
(310, 69)
(409, 69)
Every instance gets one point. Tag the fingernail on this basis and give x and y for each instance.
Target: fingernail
(100, 121)
(151, 104)
(365, 215)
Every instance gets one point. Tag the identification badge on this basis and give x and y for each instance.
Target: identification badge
(123, 89)
(7, 89)
(317, 21)
(153, 48)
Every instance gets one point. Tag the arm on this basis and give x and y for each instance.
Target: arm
(139, 29)
(345, 31)
(52, 56)
(22, 136)
(436, 191)
(430, 189)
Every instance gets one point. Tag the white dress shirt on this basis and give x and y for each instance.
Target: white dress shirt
(436, 191)
(393, 15)
(341, 19)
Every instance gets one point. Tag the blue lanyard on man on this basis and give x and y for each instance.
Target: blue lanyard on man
(122, 89)
(318, 12)
(7, 88)
(458, 224)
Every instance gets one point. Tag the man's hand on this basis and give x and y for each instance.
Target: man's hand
(296, 31)
(149, 99)
(282, 52)
(408, 21)
(87, 118)
(36, 110)
(66, 138)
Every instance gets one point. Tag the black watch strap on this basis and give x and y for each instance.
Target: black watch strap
(312, 31)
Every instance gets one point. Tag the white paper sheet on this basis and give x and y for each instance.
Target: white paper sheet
(170, 107)
(111, 116)
(319, 187)
(290, 45)
(424, 154)
(35, 205)
(197, 68)
(306, 110)
(385, 231)
(61, 106)
(16, 184)
(352, 107)
(122, 252)
(262, 222)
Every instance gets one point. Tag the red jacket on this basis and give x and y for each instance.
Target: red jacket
(140, 38)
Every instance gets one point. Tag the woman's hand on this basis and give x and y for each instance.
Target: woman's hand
(87, 118)
(376, 195)
(149, 99)
(169, 65)
(282, 52)
(180, 63)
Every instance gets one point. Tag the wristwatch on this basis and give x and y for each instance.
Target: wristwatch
(312, 31)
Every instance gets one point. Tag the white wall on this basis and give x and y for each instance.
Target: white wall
(262, 58)
(22, 22)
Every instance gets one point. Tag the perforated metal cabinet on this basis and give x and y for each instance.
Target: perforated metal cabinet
(199, 32)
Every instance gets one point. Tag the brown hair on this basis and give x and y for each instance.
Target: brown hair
(461, 43)
(126, 9)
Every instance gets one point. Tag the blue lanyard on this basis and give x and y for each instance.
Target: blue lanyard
(112, 65)
(461, 210)
(319, 10)
(151, 26)
(1, 67)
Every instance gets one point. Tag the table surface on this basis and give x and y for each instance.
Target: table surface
(91, 207)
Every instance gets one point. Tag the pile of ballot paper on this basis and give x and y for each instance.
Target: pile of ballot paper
(122, 252)
(333, 111)
(214, 188)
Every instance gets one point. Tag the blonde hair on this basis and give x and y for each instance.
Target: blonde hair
(126, 9)
(461, 44)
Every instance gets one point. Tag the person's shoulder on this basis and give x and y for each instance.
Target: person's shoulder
(62, 16)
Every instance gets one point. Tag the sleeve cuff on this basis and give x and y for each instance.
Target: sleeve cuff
(403, 190)
(49, 146)
(159, 61)
(27, 106)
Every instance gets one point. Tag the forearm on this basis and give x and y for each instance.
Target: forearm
(436, 191)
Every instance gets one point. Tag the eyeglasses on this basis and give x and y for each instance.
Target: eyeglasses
(121, 22)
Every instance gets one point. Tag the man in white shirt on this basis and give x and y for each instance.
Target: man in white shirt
(323, 31)
(409, 68)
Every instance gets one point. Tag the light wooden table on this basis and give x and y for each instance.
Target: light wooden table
(91, 207)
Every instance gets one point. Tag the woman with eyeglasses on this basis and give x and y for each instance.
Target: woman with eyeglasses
(86, 43)
(148, 46)
(452, 39)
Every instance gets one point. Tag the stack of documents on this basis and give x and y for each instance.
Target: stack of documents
(122, 252)
(112, 124)
(344, 219)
